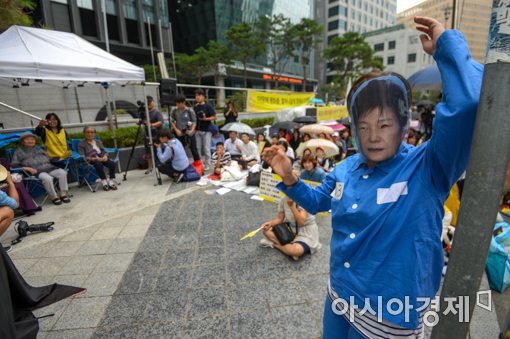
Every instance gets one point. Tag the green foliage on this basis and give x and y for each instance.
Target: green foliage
(258, 122)
(239, 99)
(125, 137)
(307, 37)
(149, 73)
(120, 112)
(244, 44)
(16, 12)
(350, 55)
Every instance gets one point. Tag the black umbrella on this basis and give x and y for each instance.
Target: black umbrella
(345, 122)
(286, 125)
(305, 120)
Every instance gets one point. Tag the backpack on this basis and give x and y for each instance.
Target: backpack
(190, 174)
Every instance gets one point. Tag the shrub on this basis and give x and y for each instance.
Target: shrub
(258, 122)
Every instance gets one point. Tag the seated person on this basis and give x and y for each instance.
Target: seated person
(26, 202)
(54, 138)
(310, 170)
(216, 137)
(35, 161)
(171, 155)
(250, 152)
(322, 161)
(274, 140)
(94, 153)
(220, 158)
(8, 201)
(307, 238)
(262, 143)
(283, 143)
(233, 145)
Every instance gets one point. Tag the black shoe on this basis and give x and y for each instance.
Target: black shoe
(178, 178)
(106, 188)
(57, 201)
(113, 187)
(65, 199)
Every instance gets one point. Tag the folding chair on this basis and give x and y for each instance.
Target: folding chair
(86, 173)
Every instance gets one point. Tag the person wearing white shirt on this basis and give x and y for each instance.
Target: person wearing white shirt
(233, 145)
(249, 151)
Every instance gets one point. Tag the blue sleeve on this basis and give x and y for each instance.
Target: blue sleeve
(163, 156)
(6, 200)
(448, 150)
(312, 200)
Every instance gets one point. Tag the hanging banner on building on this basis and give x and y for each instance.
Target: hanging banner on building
(331, 113)
(275, 101)
(498, 47)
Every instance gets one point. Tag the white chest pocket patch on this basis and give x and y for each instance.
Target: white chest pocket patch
(388, 195)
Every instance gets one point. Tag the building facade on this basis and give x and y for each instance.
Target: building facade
(399, 48)
(196, 22)
(128, 24)
(340, 16)
(472, 18)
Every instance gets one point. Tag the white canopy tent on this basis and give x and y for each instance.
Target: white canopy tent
(48, 56)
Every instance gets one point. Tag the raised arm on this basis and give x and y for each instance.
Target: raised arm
(448, 150)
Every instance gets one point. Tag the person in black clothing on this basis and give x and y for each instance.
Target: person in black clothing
(295, 140)
(230, 112)
(205, 115)
(156, 123)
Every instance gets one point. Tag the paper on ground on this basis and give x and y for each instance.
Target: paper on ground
(223, 190)
(256, 197)
(250, 189)
(203, 182)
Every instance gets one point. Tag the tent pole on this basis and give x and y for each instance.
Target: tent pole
(20, 111)
(157, 177)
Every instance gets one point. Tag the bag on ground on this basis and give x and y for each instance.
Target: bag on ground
(190, 174)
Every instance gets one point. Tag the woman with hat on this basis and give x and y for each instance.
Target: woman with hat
(8, 201)
(387, 200)
(54, 137)
(35, 161)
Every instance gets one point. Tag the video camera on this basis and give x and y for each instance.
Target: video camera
(23, 228)
(141, 110)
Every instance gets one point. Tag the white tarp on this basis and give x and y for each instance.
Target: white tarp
(34, 53)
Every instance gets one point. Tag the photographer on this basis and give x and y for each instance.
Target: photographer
(8, 201)
(184, 123)
(172, 156)
(155, 123)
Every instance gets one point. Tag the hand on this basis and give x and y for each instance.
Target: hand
(267, 226)
(9, 179)
(432, 29)
(104, 158)
(280, 163)
(290, 202)
(43, 123)
(157, 145)
(178, 133)
(30, 170)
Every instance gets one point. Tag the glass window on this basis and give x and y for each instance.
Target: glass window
(333, 11)
(392, 44)
(342, 10)
(85, 4)
(379, 47)
(391, 60)
(332, 25)
(342, 24)
(60, 1)
(148, 10)
(111, 7)
(163, 13)
(130, 11)
(411, 57)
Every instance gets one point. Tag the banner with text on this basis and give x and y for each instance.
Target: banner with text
(275, 101)
(331, 113)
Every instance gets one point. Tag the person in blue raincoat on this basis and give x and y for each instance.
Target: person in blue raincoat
(387, 200)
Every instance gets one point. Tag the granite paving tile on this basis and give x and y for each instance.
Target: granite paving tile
(249, 296)
(206, 301)
(166, 306)
(58, 308)
(178, 257)
(125, 309)
(82, 313)
(210, 255)
(142, 260)
(137, 281)
(116, 331)
(101, 284)
(48, 267)
(252, 325)
(211, 327)
(210, 275)
(115, 262)
(174, 279)
(95, 247)
(127, 245)
(295, 319)
(161, 330)
(81, 333)
(285, 292)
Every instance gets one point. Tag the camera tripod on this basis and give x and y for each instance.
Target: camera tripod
(158, 175)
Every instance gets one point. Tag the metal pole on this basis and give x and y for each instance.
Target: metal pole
(20, 111)
(157, 178)
(161, 47)
(110, 124)
(480, 200)
(172, 47)
(78, 103)
(105, 22)
(152, 50)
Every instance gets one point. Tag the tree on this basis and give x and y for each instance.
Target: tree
(350, 55)
(307, 36)
(244, 44)
(15, 12)
(278, 36)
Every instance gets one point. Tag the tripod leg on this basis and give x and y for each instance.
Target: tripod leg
(132, 151)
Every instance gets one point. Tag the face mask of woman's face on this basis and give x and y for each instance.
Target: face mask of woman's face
(379, 135)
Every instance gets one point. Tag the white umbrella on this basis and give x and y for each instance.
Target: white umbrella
(316, 129)
(330, 149)
(238, 127)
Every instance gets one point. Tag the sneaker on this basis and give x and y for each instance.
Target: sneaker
(266, 243)
(7, 249)
(295, 258)
(149, 171)
(206, 168)
(178, 178)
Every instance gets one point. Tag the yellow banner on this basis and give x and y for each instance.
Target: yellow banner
(275, 101)
(331, 113)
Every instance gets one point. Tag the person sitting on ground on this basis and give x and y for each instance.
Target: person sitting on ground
(290, 152)
(306, 137)
(184, 124)
(262, 142)
(295, 139)
(171, 155)
(8, 201)
(283, 134)
(217, 136)
(413, 137)
(54, 138)
(250, 152)
(307, 238)
(274, 140)
(322, 161)
(233, 145)
(35, 161)
(230, 113)
(307, 152)
(26, 202)
(342, 146)
(220, 158)
(310, 170)
(93, 152)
